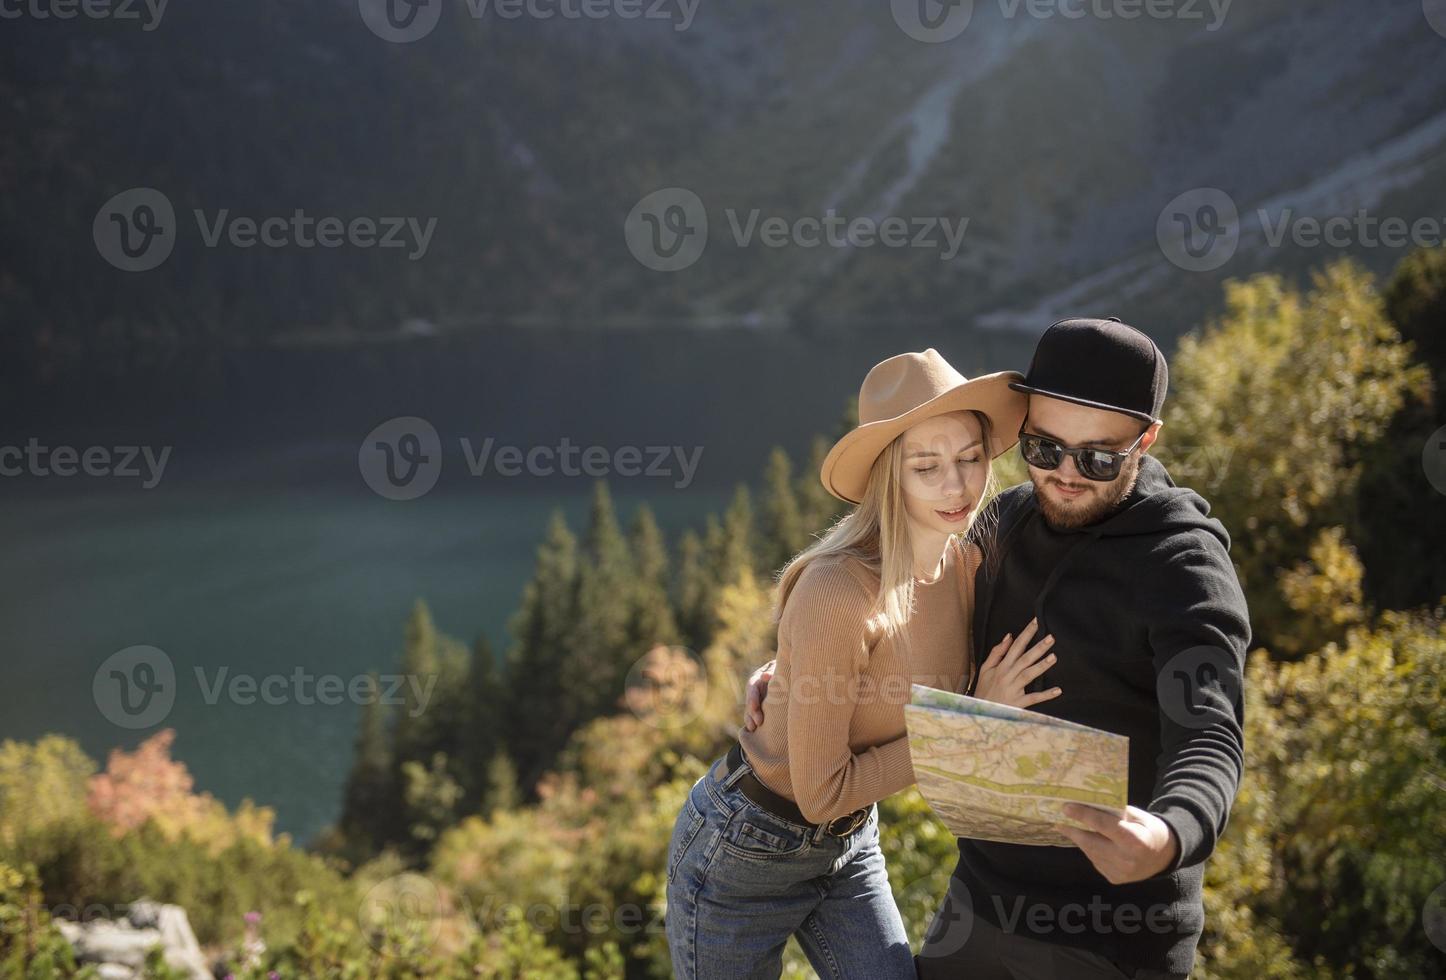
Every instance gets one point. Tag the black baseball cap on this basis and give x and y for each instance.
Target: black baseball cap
(1101, 364)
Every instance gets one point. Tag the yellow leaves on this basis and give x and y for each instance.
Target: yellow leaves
(41, 783)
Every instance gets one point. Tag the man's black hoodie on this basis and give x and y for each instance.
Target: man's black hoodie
(1148, 590)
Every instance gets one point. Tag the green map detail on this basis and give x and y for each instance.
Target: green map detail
(994, 772)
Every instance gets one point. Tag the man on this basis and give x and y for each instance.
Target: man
(1135, 583)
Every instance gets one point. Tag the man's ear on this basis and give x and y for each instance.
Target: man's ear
(1151, 434)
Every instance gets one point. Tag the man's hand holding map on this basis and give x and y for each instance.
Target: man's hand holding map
(996, 772)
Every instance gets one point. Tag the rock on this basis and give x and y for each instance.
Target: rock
(182, 950)
(144, 913)
(118, 947)
(105, 941)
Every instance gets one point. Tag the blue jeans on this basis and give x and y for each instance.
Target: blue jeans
(741, 881)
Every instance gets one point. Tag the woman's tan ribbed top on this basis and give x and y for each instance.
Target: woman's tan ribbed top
(833, 737)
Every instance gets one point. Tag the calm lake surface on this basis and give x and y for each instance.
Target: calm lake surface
(260, 549)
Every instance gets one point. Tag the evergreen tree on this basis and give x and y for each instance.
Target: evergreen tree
(1416, 303)
(369, 790)
(1400, 521)
(541, 629)
(692, 595)
(501, 792)
(653, 621)
(432, 798)
(599, 650)
(416, 728)
(730, 544)
(818, 508)
(782, 529)
(483, 723)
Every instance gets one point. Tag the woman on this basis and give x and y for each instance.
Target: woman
(781, 836)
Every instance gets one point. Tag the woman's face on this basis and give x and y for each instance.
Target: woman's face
(945, 467)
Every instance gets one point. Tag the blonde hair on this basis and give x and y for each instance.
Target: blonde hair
(876, 532)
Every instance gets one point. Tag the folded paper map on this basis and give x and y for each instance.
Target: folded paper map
(994, 772)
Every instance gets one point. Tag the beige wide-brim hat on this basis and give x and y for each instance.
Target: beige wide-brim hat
(903, 391)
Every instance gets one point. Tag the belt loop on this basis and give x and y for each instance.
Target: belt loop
(739, 772)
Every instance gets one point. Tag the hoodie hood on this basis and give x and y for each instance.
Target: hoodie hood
(1157, 505)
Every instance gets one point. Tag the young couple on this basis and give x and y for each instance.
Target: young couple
(1104, 594)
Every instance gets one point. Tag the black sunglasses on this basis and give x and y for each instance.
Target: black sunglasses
(1102, 465)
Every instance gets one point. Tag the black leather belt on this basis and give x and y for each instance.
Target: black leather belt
(781, 806)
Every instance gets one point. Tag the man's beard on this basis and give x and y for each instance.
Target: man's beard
(1090, 507)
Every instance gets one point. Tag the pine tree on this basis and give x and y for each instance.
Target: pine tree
(1415, 300)
(652, 616)
(599, 651)
(501, 792)
(369, 787)
(692, 595)
(542, 629)
(730, 550)
(782, 528)
(483, 722)
(818, 508)
(432, 798)
(416, 728)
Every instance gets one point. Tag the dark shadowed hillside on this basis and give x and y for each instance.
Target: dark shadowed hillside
(529, 141)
